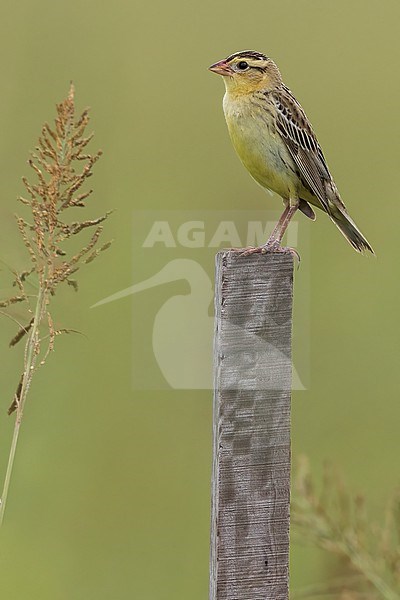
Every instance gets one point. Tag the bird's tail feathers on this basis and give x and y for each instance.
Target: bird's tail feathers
(349, 229)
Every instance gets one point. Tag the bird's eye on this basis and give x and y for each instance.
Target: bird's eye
(242, 65)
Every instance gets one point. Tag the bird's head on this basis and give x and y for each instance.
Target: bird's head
(248, 71)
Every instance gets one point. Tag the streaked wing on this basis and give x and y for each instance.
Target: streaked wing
(302, 144)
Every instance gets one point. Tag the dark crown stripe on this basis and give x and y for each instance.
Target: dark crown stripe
(247, 54)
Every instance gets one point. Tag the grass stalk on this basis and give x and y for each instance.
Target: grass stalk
(337, 521)
(61, 166)
(29, 366)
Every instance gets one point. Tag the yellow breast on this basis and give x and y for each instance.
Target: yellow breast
(251, 125)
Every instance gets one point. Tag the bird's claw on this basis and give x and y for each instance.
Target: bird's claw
(272, 246)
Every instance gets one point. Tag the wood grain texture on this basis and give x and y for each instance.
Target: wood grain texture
(251, 460)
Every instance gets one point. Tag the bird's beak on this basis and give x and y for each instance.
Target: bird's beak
(221, 68)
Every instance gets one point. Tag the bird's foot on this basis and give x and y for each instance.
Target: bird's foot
(271, 246)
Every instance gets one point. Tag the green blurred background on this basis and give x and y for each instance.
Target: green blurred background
(110, 493)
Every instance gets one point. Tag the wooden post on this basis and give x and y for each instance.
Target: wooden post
(251, 460)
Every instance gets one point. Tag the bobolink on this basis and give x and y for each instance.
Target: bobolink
(277, 145)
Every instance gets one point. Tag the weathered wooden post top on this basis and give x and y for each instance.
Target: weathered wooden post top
(251, 458)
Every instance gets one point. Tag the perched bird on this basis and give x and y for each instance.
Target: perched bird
(277, 145)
